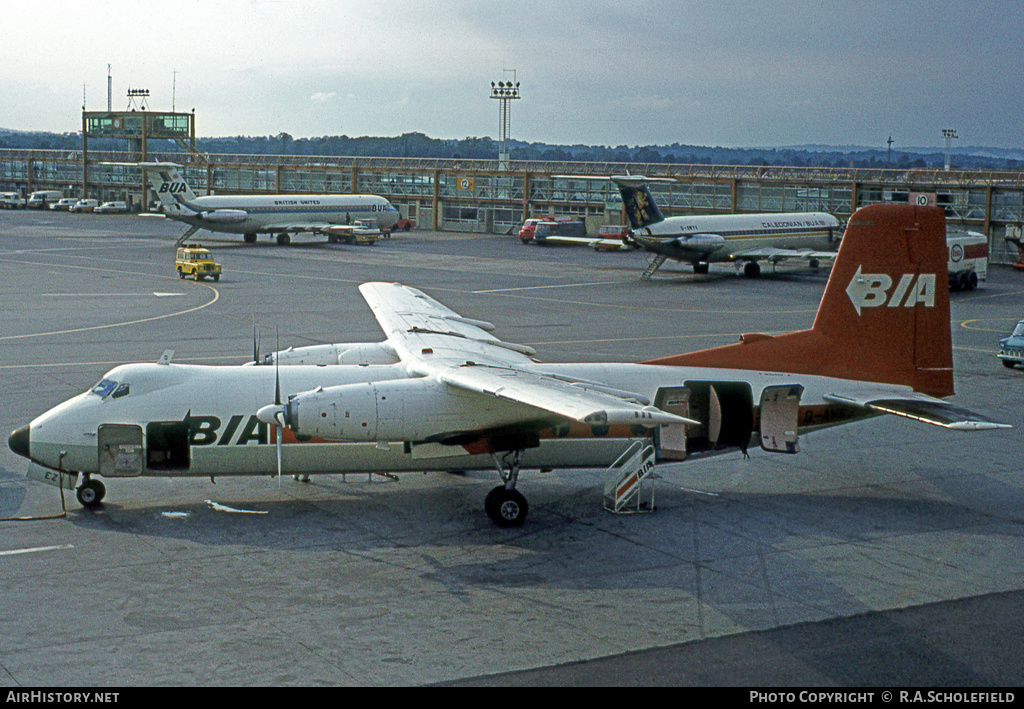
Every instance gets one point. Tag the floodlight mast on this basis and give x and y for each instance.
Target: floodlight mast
(504, 91)
(950, 135)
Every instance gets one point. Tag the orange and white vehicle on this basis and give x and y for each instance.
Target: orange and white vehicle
(443, 393)
(968, 259)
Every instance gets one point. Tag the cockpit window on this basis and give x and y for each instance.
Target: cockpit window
(108, 386)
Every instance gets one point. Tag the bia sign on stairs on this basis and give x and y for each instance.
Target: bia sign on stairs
(624, 487)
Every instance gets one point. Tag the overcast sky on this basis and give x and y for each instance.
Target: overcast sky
(598, 72)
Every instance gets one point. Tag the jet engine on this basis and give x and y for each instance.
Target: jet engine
(225, 216)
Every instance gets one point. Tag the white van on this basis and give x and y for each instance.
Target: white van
(85, 205)
(42, 199)
(11, 200)
(64, 204)
(112, 208)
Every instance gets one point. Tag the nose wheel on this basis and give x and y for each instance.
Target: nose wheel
(90, 493)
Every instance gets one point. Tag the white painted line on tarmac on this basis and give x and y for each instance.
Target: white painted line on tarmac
(109, 295)
(564, 285)
(13, 552)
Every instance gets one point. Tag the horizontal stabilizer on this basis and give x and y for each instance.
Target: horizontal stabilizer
(925, 408)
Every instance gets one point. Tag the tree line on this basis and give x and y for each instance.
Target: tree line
(418, 145)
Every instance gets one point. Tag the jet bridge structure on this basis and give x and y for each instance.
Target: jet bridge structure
(479, 196)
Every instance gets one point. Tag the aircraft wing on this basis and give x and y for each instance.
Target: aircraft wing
(771, 253)
(580, 401)
(293, 227)
(433, 340)
(919, 407)
(595, 243)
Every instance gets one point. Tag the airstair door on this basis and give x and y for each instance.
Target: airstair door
(120, 450)
(780, 414)
(671, 438)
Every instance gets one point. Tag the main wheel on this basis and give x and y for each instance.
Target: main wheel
(90, 493)
(250, 238)
(506, 508)
(283, 239)
(752, 269)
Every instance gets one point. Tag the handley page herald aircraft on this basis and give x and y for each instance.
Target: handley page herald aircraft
(703, 239)
(281, 214)
(442, 393)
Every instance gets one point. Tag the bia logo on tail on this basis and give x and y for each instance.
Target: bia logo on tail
(871, 290)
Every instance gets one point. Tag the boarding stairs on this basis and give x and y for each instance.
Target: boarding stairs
(629, 486)
(186, 234)
(653, 265)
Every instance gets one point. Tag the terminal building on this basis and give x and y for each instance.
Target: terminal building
(495, 197)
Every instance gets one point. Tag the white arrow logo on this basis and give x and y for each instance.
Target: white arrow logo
(871, 290)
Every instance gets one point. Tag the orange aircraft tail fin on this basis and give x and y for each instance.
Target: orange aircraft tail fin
(884, 316)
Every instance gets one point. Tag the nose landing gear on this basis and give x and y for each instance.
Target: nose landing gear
(90, 493)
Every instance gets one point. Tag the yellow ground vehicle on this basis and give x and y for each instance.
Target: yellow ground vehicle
(197, 262)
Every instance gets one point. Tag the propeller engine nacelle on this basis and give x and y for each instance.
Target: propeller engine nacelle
(225, 216)
(421, 409)
(339, 353)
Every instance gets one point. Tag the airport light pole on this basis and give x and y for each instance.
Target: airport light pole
(504, 91)
(950, 135)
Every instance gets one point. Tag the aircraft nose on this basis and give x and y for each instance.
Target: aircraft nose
(19, 441)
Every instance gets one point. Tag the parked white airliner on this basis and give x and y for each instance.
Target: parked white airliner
(280, 215)
(443, 393)
(709, 238)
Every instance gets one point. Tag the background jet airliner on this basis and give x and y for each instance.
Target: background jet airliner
(282, 214)
(703, 239)
(442, 393)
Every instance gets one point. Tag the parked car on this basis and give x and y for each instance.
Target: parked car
(1011, 349)
(112, 208)
(85, 205)
(613, 231)
(65, 204)
(402, 224)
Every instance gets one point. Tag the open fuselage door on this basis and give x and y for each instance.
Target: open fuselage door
(728, 418)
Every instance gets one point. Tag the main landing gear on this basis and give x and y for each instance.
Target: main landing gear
(505, 505)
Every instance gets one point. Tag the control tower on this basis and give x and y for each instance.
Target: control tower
(137, 125)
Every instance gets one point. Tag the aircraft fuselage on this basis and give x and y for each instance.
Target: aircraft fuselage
(160, 420)
(270, 213)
